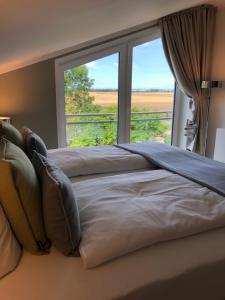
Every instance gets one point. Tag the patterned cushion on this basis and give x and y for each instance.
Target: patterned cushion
(60, 210)
(21, 198)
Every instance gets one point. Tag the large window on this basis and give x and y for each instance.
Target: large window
(91, 102)
(121, 91)
(152, 94)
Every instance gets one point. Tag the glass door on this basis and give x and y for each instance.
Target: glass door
(152, 94)
(91, 102)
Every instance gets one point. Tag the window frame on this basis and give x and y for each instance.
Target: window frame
(74, 60)
(123, 46)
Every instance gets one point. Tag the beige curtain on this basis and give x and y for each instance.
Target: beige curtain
(187, 38)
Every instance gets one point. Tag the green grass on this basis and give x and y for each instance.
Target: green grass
(106, 133)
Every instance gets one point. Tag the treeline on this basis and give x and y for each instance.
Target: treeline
(134, 90)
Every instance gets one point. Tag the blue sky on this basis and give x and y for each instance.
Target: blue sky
(149, 70)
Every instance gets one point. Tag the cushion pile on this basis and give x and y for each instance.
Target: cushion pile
(21, 198)
(35, 197)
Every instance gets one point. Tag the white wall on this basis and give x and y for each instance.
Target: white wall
(217, 107)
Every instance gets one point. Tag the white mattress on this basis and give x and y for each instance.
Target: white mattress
(145, 274)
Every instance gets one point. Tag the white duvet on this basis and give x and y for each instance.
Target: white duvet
(122, 213)
(77, 161)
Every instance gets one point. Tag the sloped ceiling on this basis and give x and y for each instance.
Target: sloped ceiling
(33, 30)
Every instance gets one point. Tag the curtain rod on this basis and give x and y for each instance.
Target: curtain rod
(187, 10)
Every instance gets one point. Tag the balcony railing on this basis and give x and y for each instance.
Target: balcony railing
(75, 122)
(168, 116)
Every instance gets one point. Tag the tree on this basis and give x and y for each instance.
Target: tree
(77, 85)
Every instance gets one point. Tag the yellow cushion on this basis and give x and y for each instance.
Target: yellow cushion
(20, 197)
(9, 247)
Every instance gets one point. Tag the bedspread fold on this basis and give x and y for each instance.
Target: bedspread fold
(208, 172)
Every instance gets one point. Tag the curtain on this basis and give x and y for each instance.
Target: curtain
(187, 38)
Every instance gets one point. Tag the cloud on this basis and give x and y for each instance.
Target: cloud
(92, 65)
(145, 44)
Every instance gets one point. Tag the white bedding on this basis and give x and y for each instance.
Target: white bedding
(94, 160)
(188, 268)
(123, 213)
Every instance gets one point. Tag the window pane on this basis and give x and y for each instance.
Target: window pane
(91, 102)
(152, 94)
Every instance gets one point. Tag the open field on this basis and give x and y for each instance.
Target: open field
(152, 101)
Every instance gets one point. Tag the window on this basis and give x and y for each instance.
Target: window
(152, 94)
(121, 91)
(91, 102)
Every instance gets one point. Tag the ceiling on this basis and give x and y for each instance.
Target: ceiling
(31, 31)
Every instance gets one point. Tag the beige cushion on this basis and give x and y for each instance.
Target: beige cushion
(20, 197)
(12, 134)
(10, 250)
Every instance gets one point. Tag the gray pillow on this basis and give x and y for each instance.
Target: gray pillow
(9, 247)
(33, 142)
(60, 209)
(13, 135)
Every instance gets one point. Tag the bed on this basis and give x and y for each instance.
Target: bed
(189, 267)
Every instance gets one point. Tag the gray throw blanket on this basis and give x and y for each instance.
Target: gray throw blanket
(202, 170)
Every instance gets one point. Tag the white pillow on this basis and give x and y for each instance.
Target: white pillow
(10, 249)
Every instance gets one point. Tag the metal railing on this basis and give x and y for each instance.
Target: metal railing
(75, 122)
(168, 116)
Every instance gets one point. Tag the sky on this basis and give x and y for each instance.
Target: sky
(149, 69)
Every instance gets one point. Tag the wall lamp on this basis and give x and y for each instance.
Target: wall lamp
(211, 84)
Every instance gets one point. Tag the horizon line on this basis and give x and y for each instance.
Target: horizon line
(135, 90)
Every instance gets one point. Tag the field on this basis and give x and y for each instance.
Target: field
(152, 101)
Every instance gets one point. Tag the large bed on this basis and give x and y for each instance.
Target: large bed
(188, 266)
